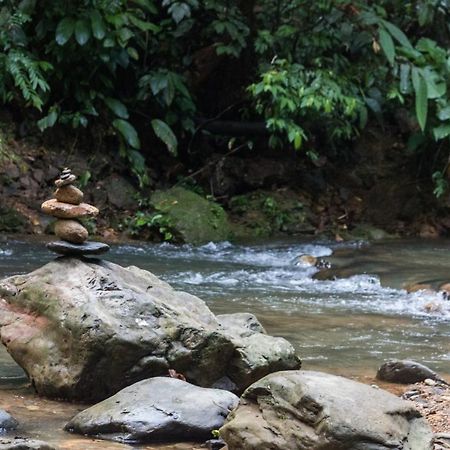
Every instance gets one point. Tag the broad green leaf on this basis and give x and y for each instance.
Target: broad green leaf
(179, 11)
(297, 141)
(82, 31)
(420, 89)
(98, 25)
(444, 113)
(48, 121)
(441, 132)
(128, 132)
(165, 133)
(435, 85)
(64, 30)
(142, 24)
(387, 44)
(117, 107)
(397, 34)
(148, 5)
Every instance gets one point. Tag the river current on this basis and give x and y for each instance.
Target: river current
(348, 324)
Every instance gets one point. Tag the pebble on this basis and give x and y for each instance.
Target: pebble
(69, 194)
(71, 231)
(67, 211)
(430, 382)
(64, 182)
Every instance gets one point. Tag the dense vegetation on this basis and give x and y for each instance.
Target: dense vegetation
(314, 72)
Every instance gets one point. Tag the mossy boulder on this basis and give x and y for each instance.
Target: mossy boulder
(11, 221)
(190, 217)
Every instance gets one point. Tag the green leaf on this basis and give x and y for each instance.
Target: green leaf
(444, 113)
(49, 120)
(64, 30)
(117, 107)
(142, 24)
(297, 141)
(165, 133)
(421, 91)
(435, 84)
(397, 34)
(147, 5)
(441, 132)
(387, 44)
(128, 132)
(405, 70)
(82, 31)
(98, 25)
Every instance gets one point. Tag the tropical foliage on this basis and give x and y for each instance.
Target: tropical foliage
(315, 72)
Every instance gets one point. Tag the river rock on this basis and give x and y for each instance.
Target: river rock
(69, 249)
(69, 194)
(405, 372)
(84, 329)
(71, 230)
(19, 443)
(303, 410)
(7, 422)
(157, 409)
(66, 211)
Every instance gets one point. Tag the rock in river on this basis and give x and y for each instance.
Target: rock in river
(405, 372)
(87, 248)
(157, 409)
(71, 231)
(19, 443)
(84, 329)
(303, 410)
(7, 422)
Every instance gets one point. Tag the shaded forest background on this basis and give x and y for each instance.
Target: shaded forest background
(295, 116)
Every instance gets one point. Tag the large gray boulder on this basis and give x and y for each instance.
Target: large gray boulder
(302, 410)
(19, 443)
(157, 409)
(86, 328)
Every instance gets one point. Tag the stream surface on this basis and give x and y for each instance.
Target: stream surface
(348, 325)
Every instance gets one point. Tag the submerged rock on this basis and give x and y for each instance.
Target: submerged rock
(7, 422)
(302, 410)
(157, 409)
(84, 329)
(19, 443)
(405, 372)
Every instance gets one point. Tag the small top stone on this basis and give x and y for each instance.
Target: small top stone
(65, 178)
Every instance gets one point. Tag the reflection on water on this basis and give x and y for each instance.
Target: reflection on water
(347, 325)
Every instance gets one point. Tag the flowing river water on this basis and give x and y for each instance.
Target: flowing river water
(348, 323)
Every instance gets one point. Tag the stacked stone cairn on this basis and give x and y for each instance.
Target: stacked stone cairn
(68, 208)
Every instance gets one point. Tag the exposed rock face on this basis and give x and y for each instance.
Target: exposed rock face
(405, 372)
(87, 328)
(158, 409)
(71, 231)
(7, 422)
(67, 211)
(301, 410)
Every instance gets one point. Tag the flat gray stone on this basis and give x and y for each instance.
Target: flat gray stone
(158, 409)
(88, 248)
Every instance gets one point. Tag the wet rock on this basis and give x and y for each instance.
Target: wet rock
(67, 211)
(84, 329)
(7, 422)
(405, 372)
(69, 194)
(190, 217)
(302, 410)
(18, 443)
(88, 248)
(158, 409)
(71, 230)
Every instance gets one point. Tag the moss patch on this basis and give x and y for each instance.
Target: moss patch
(192, 218)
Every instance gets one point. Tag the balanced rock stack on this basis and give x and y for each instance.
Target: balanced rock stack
(67, 207)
